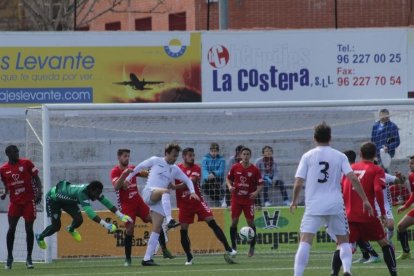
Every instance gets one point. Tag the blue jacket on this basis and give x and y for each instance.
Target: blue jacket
(385, 135)
(215, 166)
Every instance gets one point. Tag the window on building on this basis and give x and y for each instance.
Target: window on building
(113, 26)
(82, 28)
(177, 21)
(143, 24)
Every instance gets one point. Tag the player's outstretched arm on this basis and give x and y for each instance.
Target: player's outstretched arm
(358, 188)
(146, 164)
(108, 204)
(297, 187)
(184, 178)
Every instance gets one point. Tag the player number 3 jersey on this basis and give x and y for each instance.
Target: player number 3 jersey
(322, 169)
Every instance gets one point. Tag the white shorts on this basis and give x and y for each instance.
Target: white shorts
(154, 206)
(337, 224)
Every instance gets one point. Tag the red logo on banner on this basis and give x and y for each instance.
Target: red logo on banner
(218, 56)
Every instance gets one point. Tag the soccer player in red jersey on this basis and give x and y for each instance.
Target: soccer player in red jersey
(21, 181)
(362, 225)
(408, 219)
(131, 203)
(188, 208)
(245, 183)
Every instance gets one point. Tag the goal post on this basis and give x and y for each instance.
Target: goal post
(79, 141)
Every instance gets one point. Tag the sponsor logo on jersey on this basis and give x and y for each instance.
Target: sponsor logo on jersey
(20, 168)
(16, 177)
(249, 174)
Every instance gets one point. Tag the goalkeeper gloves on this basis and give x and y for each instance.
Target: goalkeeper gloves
(111, 227)
(123, 218)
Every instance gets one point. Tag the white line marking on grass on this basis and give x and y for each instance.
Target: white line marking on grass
(207, 271)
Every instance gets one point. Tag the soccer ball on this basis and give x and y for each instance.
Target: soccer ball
(246, 233)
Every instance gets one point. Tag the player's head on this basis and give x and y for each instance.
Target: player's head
(214, 149)
(351, 155)
(237, 151)
(95, 189)
(12, 153)
(322, 133)
(411, 163)
(368, 151)
(384, 115)
(123, 156)
(245, 154)
(171, 153)
(267, 151)
(188, 156)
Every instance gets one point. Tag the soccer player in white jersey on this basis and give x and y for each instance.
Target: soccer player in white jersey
(156, 193)
(320, 169)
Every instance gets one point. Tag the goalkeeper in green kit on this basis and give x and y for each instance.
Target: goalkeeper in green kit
(66, 196)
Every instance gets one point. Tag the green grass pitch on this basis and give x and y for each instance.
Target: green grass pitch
(260, 264)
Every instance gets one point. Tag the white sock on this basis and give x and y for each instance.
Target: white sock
(152, 245)
(390, 234)
(301, 258)
(166, 205)
(345, 252)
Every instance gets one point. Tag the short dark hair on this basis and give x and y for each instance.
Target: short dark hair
(95, 185)
(267, 147)
(187, 150)
(384, 110)
(214, 146)
(245, 148)
(122, 151)
(411, 157)
(239, 148)
(322, 133)
(11, 148)
(368, 150)
(351, 155)
(170, 147)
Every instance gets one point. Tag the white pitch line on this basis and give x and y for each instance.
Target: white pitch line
(210, 270)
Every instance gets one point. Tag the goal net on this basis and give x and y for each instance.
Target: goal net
(81, 143)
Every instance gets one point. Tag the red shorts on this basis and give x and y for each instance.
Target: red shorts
(246, 207)
(27, 210)
(187, 213)
(411, 213)
(366, 231)
(136, 208)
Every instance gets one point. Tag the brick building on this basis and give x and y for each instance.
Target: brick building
(192, 15)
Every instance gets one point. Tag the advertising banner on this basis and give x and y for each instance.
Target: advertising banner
(410, 63)
(117, 67)
(98, 242)
(304, 65)
(278, 231)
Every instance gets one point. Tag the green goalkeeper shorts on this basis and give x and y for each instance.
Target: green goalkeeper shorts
(54, 208)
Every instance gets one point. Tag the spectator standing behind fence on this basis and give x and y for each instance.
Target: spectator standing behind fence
(385, 134)
(269, 171)
(213, 168)
(232, 160)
